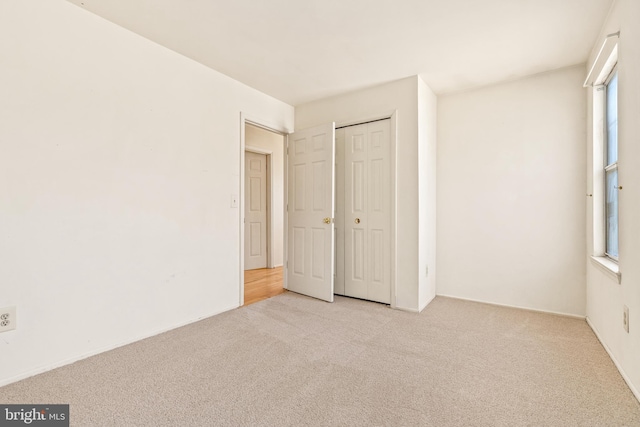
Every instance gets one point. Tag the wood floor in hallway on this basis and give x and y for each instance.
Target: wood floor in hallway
(262, 283)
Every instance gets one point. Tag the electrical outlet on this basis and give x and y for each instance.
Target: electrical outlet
(625, 318)
(7, 319)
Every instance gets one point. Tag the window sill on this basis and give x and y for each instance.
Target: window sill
(607, 266)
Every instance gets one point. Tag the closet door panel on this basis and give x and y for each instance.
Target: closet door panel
(365, 214)
(356, 205)
(379, 212)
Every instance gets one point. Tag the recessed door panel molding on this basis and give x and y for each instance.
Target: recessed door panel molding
(376, 255)
(357, 143)
(376, 139)
(255, 193)
(255, 247)
(255, 165)
(319, 142)
(319, 181)
(311, 199)
(377, 185)
(299, 187)
(297, 251)
(358, 259)
(364, 152)
(358, 189)
(255, 210)
(318, 242)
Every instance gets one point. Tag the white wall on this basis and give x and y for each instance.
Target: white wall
(375, 102)
(427, 167)
(605, 297)
(269, 141)
(118, 159)
(511, 193)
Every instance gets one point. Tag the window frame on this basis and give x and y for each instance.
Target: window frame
(603, 65)
(609, 167)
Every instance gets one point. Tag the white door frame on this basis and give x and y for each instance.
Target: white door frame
(278, 129)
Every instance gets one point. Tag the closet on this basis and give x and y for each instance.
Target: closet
(363, 211)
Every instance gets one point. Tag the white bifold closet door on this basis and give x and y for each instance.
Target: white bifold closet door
(363, 211)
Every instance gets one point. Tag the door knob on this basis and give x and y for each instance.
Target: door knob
(327, 220)
(357, 221)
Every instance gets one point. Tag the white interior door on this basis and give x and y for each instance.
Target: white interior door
(310, 234)
(255, 211)
(366, 220)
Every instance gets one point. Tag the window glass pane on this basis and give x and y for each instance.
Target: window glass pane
(612, 120)
(612, 212)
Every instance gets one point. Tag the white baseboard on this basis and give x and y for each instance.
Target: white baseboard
(427, 303)
(64, 362)
(410, 310)
(556, 313)
(415, 310)
(626, 378)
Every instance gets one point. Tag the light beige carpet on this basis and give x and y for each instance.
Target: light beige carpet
(292, 360)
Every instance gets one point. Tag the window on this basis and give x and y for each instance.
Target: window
(611, 164)
(604, 166)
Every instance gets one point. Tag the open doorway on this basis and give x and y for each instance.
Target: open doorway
(263, 202)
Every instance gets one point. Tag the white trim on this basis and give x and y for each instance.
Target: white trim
(597, 172)
(624, 375)
(271, 245)
(241, 211)
(599, 75)
(535, 310)
(607, 266)
(50, 366)
(264, 124)
(394, 207)
(609, 167)
(603, 60)
(362, 120)
(257, 150)
(285, 207)
(427, 303)
(408, 310)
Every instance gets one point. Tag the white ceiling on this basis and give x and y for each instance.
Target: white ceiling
(302, 50)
